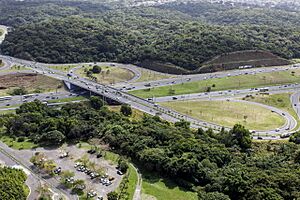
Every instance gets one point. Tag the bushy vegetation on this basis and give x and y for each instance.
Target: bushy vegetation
(138, 35)
(12, 184)
(224, 165)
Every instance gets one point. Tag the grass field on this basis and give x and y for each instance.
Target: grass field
(64, 68)
(112, 157)
(7, 111)
(15, 68)
(15, 144)
(108, 75)
(154, 187)
(229, 113)
(281, 101)
(228, 83)
(133, 179)
(136, 114)
(296, 60)
(148, 75)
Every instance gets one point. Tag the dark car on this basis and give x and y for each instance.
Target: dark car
(119, 172)
(99, 155)
(57, 170)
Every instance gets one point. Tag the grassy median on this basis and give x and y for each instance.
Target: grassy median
(229, 113)
(228, 83)
(281, 101)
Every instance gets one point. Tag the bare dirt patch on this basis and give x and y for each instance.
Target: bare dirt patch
(29, 82)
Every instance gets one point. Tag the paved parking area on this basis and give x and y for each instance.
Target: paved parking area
(68, 163)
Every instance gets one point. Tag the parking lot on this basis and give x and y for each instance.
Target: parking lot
(69, 163)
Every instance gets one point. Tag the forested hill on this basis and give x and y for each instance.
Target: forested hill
(233, 15)
(68, 32)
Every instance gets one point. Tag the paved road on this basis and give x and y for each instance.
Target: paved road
(134, 69)
(290, 123)
(230, 93)
(135, 102)
(44, 97)
(35, 178)
(199, 77)
(295, 100)
(32, 181)
(7, 65)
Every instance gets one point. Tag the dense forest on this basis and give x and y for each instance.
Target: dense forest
(225, 165)
(185, 35)
(228, 15)
(12, 184)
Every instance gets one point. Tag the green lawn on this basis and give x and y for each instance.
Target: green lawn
(136, 114)
(84, 145)
(132, 181)
(228, 83)
(7, 111)
(296, 60)
(112, 157)
(67, 99)
(27, 190)
(163, 189)
(13, 143)
(229, 113)
(281, 101)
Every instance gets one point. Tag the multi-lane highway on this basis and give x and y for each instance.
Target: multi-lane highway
(201, 77)
(44, 97)
(149, 106)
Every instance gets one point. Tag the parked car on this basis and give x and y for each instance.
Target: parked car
(119, 172)
(91, 193)
(57, 170)
(64, 155)
(99, 155)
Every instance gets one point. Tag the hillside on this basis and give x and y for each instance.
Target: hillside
(167, 39)
(241, 59)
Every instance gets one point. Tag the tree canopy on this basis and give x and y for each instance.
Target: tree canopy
(219, 165)
(184, 35)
